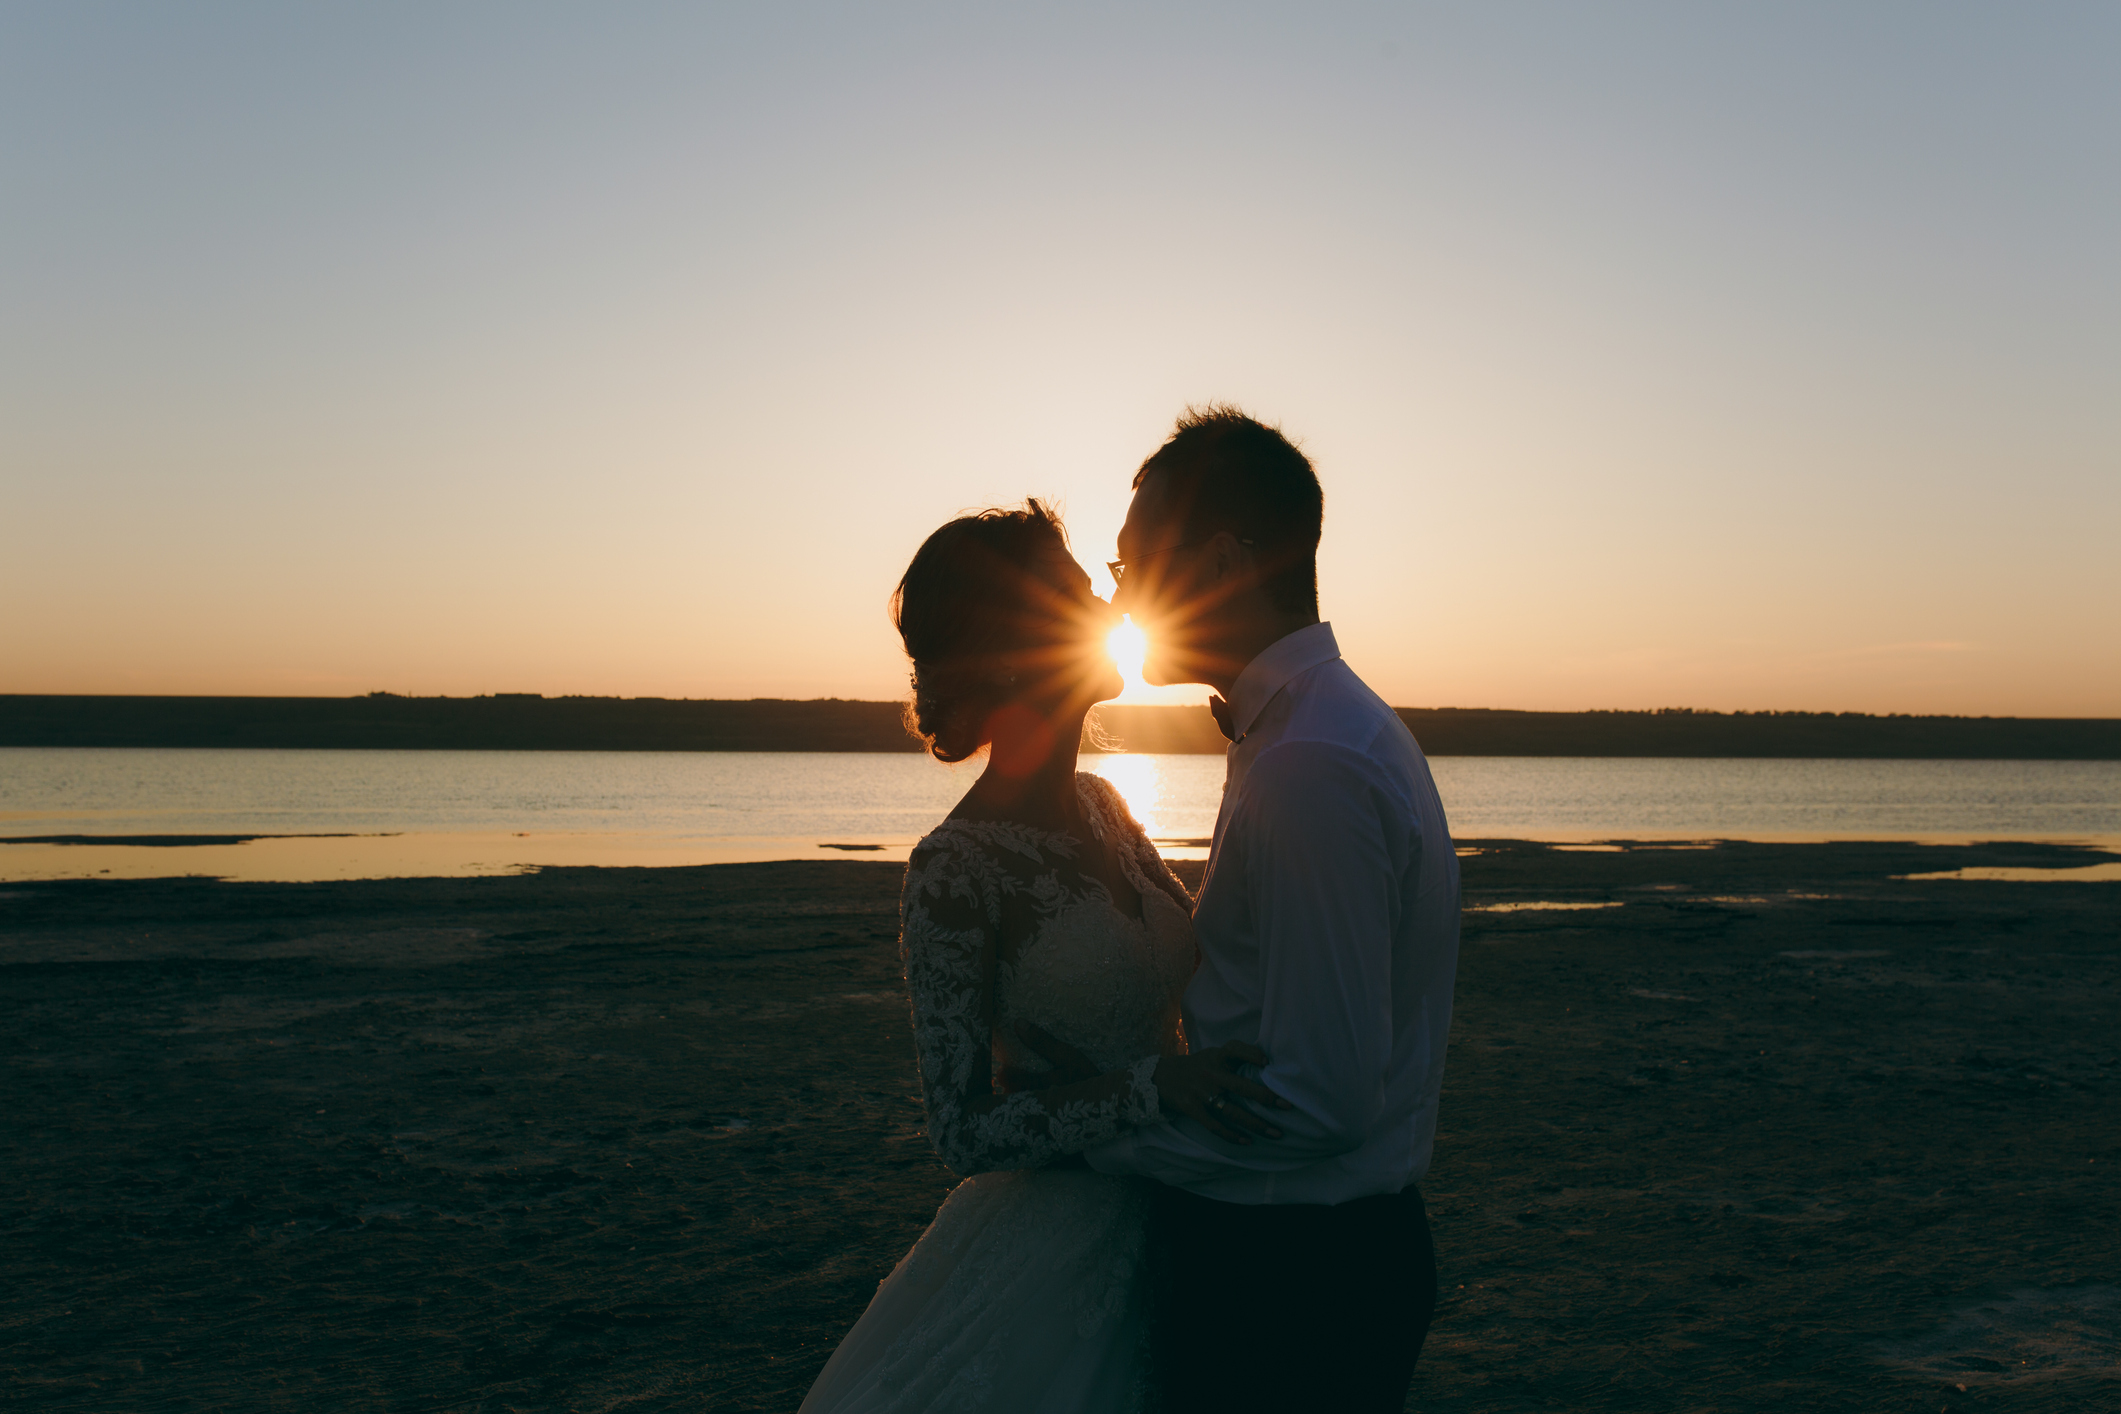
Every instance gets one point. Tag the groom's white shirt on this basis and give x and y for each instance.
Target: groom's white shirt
(1328, 926)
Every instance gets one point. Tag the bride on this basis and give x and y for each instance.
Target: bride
(1046, 946)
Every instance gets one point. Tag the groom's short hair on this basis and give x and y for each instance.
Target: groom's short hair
(1222, 470)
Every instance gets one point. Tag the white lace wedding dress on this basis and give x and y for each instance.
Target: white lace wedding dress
(1025, 1294)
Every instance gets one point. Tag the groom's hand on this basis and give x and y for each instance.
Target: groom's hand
(1068, 1063)
(1207, 1087)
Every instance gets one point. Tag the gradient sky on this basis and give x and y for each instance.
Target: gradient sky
(1651, 354)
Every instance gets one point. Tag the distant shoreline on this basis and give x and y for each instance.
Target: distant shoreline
(526, 722)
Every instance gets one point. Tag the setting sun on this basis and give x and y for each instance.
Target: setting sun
(1128, 645)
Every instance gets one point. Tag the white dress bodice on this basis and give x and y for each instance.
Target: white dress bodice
(1001, 923)
(1106, 983)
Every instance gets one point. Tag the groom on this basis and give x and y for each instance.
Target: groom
(1296, 1272)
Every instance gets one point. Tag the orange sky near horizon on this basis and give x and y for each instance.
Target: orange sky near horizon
(1649, 357)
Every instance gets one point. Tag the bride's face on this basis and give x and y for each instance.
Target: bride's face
(1067, 662)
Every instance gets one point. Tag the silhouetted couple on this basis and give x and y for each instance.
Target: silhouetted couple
(1190, 1129)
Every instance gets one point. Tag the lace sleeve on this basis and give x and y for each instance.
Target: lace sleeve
(950, 927)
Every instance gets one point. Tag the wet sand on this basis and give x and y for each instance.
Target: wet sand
(429, 854)
(1772, 1130)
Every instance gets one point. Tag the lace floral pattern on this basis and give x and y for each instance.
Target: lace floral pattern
(1000, 923)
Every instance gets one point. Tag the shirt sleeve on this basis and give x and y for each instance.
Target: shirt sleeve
(950, 920)
(1321, 860)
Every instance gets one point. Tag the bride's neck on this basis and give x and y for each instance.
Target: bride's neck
(1030, 775)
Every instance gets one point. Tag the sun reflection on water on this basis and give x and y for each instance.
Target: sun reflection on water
(1139, 782)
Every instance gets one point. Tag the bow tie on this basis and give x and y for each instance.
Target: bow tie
(1221, 711)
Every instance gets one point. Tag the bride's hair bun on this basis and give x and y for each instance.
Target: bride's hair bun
(973, 594)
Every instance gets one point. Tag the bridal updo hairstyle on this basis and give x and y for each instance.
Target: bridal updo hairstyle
(976, 591)
(1223, 470)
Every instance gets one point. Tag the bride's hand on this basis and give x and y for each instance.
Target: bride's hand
(1206, 1086)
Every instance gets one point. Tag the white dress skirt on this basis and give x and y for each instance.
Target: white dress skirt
(1025, 1294)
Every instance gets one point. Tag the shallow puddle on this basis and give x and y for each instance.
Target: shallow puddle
(2004, 874)
(1540, 906)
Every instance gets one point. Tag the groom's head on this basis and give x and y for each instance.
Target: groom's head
(1220, 548)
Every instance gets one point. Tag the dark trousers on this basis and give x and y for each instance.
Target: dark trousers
(1292, 1306)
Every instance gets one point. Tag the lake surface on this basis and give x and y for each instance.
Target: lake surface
(455, 812)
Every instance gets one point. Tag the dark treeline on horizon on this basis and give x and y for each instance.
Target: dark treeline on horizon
(528, 722)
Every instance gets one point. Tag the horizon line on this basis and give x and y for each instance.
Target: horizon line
(1668, 711)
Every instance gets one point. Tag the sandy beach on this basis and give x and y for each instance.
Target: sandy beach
(1743, 1127)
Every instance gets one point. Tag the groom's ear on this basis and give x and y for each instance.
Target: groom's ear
(1232, 559)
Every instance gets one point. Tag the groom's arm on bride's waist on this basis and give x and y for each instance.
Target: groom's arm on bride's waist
(1321, 844)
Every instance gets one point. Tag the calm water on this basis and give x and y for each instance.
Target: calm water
(893, 799)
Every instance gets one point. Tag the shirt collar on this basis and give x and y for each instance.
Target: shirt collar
(1271, 671)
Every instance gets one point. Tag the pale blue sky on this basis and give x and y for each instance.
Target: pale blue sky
(1650, 354)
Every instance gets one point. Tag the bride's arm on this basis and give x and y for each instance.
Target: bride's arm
(950, 919)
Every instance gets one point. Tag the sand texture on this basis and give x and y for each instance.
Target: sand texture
(1772, 1131)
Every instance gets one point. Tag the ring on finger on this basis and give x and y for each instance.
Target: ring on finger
(1216, 1103)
